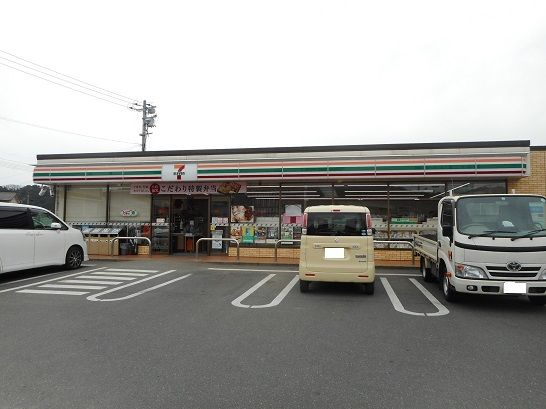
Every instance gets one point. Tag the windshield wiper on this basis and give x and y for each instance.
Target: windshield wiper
(488, 233)
(528, 234)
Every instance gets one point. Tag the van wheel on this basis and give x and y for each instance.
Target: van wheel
(537, 300)
(425, 272)
(304, 286)
(369, 288)
(448, 290)
(74, 258)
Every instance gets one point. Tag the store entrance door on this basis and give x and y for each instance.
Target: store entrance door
(190, 215)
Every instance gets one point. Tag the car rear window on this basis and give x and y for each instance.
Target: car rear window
(336, 224)
(12, 218)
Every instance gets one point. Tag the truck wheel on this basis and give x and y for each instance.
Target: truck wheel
(448, 290)
(304, 286)
(425, 272)
(537, 299)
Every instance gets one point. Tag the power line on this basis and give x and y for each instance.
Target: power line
(69, 82)
(15, 161)
(64, 75)
(65, 132)
(65, 86)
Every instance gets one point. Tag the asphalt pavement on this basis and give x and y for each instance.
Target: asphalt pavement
(174, 333)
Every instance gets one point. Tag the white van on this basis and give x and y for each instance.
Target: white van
(31, 236)
(337, 246)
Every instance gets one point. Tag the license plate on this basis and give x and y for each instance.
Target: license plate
(515, 288)
(334, 252)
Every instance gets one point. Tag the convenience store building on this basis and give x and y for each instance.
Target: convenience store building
(257, 195)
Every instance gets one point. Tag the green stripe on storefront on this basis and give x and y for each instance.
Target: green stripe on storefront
(216, 171)
(310, 169)
(142, 172)
(500, 166)
(394, 167)
(350, 168)
(260, 170)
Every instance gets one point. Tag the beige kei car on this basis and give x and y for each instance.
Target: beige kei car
(337, 246)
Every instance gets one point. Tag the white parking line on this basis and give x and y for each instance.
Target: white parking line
(108, 273)
(101, 277)
(130, 270)
(253, 269)
(53, 292)
(47, 281)
(94, 297)
(276, 301)
(90, 282)
(400, 308)
(296, 271)
(74, 287)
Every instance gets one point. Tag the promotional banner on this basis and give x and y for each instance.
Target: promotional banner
(197, 188)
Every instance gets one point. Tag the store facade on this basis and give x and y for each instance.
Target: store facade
(258, 195)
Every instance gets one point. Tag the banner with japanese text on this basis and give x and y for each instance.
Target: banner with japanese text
(188, 188)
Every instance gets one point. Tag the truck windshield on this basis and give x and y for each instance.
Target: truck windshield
(502, 216)
(336, 224)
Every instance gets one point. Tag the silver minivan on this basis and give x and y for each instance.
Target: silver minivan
(32, 236)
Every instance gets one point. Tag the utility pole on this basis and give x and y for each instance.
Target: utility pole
(148, 119)
(144, 133)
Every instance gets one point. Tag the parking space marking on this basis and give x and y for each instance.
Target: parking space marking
(102, 277)
(253, 270)
(94, 297)
(53, 292)
(441, 309)
(90, 282)
(110, 273)
(73, 286)
(47, 281)
(130, 270)
(276, 301)
(400, 308)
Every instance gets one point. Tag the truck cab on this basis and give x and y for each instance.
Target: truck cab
(492, 244)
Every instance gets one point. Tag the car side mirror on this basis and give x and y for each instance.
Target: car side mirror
(56, 226)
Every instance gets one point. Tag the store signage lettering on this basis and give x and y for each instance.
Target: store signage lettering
(187, 188)
(129, 213)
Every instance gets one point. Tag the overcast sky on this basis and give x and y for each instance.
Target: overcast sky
(239, 74)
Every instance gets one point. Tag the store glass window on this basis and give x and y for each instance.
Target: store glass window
(125, 207)
(460, 187)
(219, 223)
(160, 224)
(254, 216)
(86, 204)
(295, 198)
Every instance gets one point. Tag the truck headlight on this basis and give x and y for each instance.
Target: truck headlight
(464, 271)
(542, 276)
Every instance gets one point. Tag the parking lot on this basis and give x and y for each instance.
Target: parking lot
(175, 333)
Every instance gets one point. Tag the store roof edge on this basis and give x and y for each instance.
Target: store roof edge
(326, 148)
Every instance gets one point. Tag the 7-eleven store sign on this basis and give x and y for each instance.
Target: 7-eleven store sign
(185, 172)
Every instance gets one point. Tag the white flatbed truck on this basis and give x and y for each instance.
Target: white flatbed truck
(487, 244)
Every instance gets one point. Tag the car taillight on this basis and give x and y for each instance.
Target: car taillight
(369, 224)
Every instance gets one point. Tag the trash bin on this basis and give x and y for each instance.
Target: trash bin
(124, 249)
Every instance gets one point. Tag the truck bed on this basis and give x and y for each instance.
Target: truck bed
(426, 246)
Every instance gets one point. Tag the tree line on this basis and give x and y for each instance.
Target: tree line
(30, 194)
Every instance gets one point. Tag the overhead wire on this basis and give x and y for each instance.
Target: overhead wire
(69, 82)
(65, 86)
(65, 132)
(123, 97)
